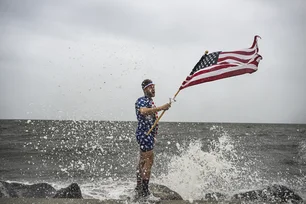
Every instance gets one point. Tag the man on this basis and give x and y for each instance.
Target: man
(146, 113)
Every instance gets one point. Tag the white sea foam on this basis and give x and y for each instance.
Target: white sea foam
(108, 189)
(191, 173)
(195, 172)
(302, 151)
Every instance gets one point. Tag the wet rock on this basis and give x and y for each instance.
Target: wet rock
(214, 196)
(163, 192)
(44, 190)
(5, 192)
(275, 193)
(72, 191)
(18, 190)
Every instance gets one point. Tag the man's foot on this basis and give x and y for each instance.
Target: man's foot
(146, 193)
(138, 191)
(138, 188)
(145, 188)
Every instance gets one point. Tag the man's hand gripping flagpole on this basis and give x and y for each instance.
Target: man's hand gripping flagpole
(171, 100)
(161, 115)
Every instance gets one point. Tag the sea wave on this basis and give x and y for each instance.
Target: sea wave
(302, 152)
(196, 171)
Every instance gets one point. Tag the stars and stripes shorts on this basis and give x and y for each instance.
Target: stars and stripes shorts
(145, 142)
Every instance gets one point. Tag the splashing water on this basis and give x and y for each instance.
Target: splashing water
(97, 155)
(195, 171)
(302, 152)
(82, 149)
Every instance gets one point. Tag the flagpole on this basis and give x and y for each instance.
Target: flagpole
(161, 115)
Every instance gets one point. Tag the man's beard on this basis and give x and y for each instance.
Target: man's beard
(151, 94)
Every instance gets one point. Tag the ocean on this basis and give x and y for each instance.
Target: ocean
(190, 158)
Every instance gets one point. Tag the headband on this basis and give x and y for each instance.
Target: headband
(147, 85)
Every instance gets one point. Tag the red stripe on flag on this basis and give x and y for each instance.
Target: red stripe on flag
(220, 76)
(240, 52)
(255, 41)
(234, 58)
(213, 68)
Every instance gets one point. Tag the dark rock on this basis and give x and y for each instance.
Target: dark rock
(214, 196)
(44, 190)
(163, 192)
(17, 190)
(284, 193)
(72, 191)
(5, 191)
(275, 193)
(251, 195)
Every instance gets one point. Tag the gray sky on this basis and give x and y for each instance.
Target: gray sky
(86, 59)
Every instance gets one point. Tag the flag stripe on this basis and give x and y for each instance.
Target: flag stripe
(222, 55)
(255, 41)
(242, 52)
(241, 60)
(220, 76)
(218, 72)
(211, 69)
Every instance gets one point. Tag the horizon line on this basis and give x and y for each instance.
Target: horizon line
(224, 122)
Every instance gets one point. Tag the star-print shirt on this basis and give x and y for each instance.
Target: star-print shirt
(145, 122)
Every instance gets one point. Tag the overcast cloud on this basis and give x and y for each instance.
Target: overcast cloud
(86, 59)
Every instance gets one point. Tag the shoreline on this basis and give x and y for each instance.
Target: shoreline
(96, 201)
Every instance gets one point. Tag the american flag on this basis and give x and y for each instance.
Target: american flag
(219, 65)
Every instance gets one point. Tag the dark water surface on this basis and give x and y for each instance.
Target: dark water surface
(190, 158)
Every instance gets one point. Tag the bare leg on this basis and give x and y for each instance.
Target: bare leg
(146, 161)
(138, 173)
